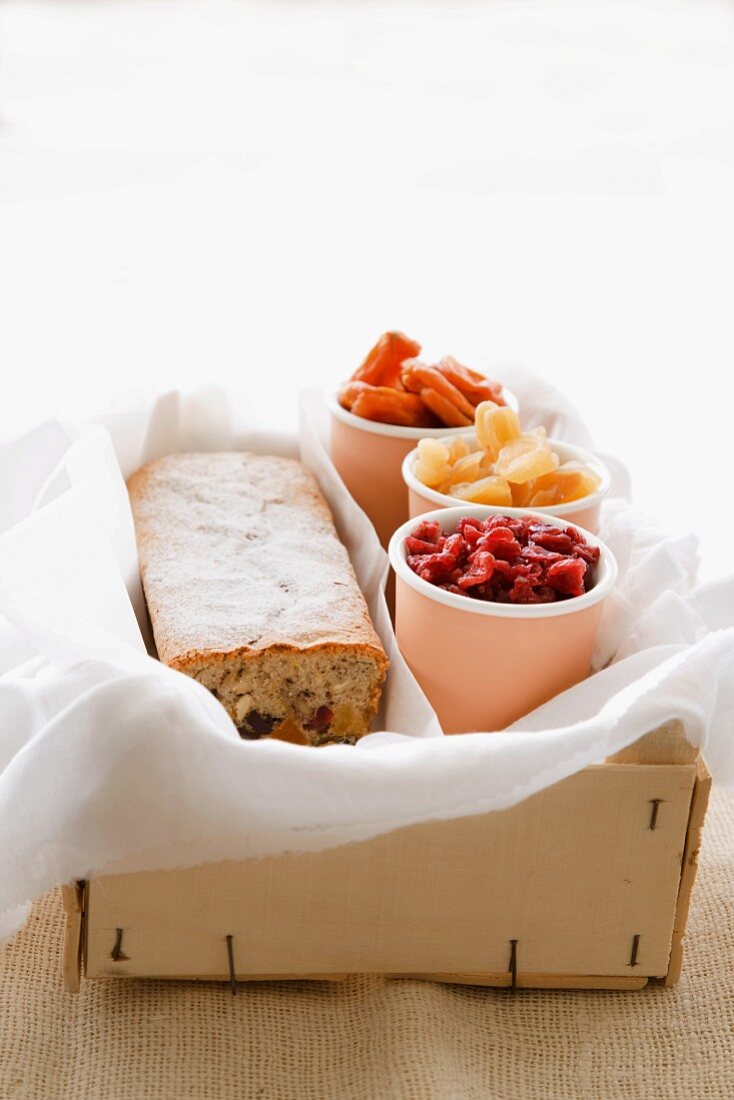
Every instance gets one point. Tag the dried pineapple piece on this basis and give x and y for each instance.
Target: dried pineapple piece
(522, 494)
(458, 447)
(571, 481)
(489, 490)
(512, 468)
(525, 458)
(433, 466)
(469, 468)
(495, 425)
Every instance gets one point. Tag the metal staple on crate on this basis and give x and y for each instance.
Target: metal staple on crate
(116, 954)
(655, 802)
(513, 965)
(230, 960)
(635, 948)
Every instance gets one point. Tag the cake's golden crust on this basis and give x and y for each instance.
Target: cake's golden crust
(238, 554)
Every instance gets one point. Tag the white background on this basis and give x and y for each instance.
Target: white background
(250, 192)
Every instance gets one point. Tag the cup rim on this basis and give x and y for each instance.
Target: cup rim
(398, 431)
(449, 517)
(579, 454)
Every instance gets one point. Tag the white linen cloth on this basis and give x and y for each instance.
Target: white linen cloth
(111, 762)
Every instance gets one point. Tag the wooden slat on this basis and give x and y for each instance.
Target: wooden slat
(537, 981)
(573, 873)
(667, 744)
(699, 805)
(72, 899)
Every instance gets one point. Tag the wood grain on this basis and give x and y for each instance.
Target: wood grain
(699, 805)
(573, 873)
(72, 898)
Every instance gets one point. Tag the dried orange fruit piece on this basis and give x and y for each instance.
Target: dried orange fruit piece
(446, 412)
(349, 393)
(474, 386)
(383, 363)
(389, 406)
(417, 377)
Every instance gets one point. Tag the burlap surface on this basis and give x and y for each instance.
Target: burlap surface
(371, 1038)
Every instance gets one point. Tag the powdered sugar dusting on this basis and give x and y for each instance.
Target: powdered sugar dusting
(238, 552)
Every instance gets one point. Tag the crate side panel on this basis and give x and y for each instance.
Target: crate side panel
(573, 874)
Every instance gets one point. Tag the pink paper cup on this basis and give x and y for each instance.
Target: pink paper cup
(484, 665)
(580, 513)
(369, 456)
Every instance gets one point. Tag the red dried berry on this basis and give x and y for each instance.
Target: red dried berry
(469, 522)
(551, 538)
(567, 576)
(455, 546)
(436, 567)
(539, 554)
(480, 570)
(419, 546)
(501, 542)
(428, 531)
(587, 553)
(504, 559)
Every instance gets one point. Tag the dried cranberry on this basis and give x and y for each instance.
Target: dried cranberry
(539, 554)
(320, 720)
(419, 546)
(480, 570)
(435, 567)
(428, 531)
(451, 588)
(501, 542)
(472, 535)
(467, 523)
(567, 576)
(454, 546)
(587, 553)
(506, 559)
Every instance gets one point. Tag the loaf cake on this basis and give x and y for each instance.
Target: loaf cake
(251, 592)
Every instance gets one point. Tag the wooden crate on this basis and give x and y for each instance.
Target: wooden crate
(584, 885)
